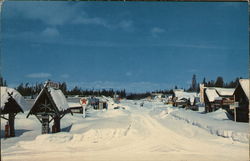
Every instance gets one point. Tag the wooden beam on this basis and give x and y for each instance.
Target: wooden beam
(38, 119)
(4, 118)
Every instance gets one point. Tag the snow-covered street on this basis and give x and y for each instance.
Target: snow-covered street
(153, 132)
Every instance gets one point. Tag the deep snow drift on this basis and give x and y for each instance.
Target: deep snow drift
(152, 132)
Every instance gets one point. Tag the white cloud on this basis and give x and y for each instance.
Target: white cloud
(128, 74)
(156, 31)
(65, 75)
(56, 14)
(90, 21)
(126, 25)
(38, 75)
(49, 13)
(50, 32)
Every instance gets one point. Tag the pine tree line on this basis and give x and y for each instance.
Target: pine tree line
(3, 82)
(33, 90)
(219, 82)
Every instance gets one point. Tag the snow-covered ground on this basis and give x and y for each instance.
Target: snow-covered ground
(152, 132)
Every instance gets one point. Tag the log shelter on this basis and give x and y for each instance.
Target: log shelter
(12, 103)
(50, 105)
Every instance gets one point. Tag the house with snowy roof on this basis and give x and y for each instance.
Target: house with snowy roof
(216, 98)
(50, 105)
(184, 99)
(12, 102)
(241, 95)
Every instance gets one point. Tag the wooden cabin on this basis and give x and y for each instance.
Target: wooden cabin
(75, 107)
(241, 95)
(50, 105)
(185, 99)
(227, 96)
(12, 103)
(98, 103)
(216, 98)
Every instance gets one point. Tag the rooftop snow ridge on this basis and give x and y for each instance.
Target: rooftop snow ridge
(245, 86)
(59, 98)
(5, 91)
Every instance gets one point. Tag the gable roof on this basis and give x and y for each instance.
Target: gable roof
(211, 94)
(5, 95)
(244, 83)
(55, 95)
(225, 91)
(58, 98)
(187, 95)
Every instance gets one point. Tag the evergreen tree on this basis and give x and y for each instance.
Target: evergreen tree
(63, 87)
(5, 83)
(219, 82)
(194, 83)
(204, 81)
(2, 81)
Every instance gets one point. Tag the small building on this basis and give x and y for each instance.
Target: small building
(98, 103)
(241, 95)
(50, 105)
(75, 107)
(185, 99)
(211, 99)
(12, 103)
(227, 97)
(215, 98)
(157, 95)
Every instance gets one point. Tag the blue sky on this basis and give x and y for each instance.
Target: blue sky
(139, 46)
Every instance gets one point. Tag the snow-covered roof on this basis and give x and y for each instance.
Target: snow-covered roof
(74, 104)
(211, 94)
(178, 90)
(187, 95)
(15, 95)
(245, 86)
(225, 91)
(59, 98)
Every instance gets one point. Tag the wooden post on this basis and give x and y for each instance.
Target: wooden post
(83, 111)
(57, 124)
(235, 114)
(234, 110)
(45, 124)
(12, 124)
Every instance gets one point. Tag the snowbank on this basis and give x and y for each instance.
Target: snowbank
(217, 123)
(113, 113)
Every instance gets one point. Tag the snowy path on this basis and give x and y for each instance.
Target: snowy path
(132, 134)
